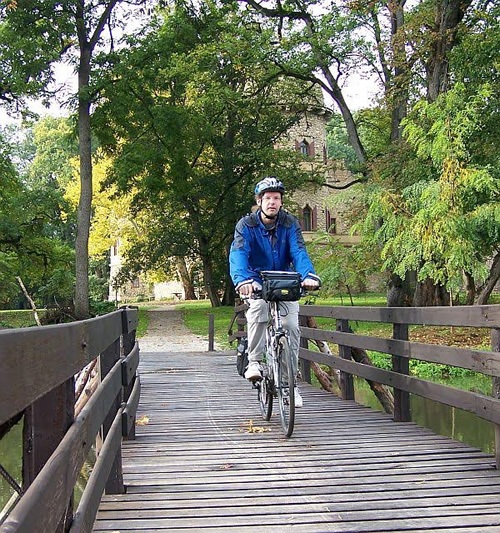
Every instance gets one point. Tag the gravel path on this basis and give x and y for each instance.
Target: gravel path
(167, 333)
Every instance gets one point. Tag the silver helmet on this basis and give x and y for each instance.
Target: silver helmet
(269, 184)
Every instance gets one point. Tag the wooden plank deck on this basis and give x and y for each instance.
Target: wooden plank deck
(347, 468)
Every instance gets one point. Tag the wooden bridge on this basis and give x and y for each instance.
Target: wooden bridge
(202, 459)
(206, 461)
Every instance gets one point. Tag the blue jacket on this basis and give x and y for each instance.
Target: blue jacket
(254, 248)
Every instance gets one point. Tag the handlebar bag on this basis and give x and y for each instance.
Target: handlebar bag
(280, 286)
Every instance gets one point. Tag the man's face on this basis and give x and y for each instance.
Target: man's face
(270, 203)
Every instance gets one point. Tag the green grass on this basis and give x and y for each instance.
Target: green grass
(196, 317)
(22, 318)
(143, 324)
(370, 299)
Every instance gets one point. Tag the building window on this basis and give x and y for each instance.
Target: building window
(136, 283)
(331, 223)
(307, 218)
(304, 147)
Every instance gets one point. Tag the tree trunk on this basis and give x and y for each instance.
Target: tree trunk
(229, 296)
(397, 88)
(86, 47)
(324, 379)
(187, 282)
(448, 15)
(30, 300)
(82, 309)
(487, 288)
(395, 294)
(383, 393)
(335, 92)
(209, 282)
(470, 289)
(428, 293)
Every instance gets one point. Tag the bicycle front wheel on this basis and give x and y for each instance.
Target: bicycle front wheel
(265, 398)
(286, 386)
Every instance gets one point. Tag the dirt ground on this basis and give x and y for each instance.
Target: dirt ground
(167, 333)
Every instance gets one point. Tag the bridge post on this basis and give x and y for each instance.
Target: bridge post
(495, 347)
(45, 423)
(402, 366)
(211, 332)
(304, 364)
(127, 345)
(346, 380)
(107, 360)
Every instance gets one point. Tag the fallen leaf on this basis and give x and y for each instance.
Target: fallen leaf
(250, 428)
(143, 421)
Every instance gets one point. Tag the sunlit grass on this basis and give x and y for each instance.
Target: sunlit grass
(21, 318)
(143, 324)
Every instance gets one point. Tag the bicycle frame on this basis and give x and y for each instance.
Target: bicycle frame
(273, 333)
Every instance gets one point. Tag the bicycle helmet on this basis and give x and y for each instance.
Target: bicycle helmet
(269, 184)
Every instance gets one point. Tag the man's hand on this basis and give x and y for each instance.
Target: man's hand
(246, 289)
(310, 284)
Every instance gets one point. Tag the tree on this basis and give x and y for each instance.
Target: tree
(31, 243)
(449, 224)
(412, 57)
(196, 110)
(59, 27)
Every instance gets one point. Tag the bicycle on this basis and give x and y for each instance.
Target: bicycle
(278, 369)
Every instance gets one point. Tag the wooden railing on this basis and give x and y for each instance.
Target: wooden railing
(37, 369)
(402, 350)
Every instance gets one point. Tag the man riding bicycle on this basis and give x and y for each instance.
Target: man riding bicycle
(269, 239)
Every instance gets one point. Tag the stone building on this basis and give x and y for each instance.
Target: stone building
(310, 204)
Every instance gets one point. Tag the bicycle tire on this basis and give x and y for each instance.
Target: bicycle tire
(265, 397)
(285, 381)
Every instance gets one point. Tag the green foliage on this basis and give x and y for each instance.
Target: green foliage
(440, 227)
(54, 145)
(190, 115)
(342, 269)
(33, 35)
(99, 307)
(338, 146)
(32, 236)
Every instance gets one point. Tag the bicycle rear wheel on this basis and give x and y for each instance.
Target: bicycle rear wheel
(286, 386)
(265, 396)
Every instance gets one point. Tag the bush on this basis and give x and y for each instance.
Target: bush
(101, 307)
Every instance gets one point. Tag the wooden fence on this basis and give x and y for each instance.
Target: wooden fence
(37, 369)
(402, 350)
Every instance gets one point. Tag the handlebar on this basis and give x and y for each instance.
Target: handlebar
(257, 294)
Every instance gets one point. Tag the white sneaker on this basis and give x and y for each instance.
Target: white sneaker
(298, 398)
(253, 372)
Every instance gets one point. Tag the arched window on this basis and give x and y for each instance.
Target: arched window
(307, 218)
(331, 223)
(304, 147)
